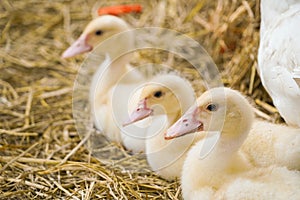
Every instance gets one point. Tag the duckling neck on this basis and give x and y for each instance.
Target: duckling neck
(107, 76)
(223, 159)
(221, 154)
(230, 143)
(214, 169)
(115, 71)
(157, 141)
(173, 117)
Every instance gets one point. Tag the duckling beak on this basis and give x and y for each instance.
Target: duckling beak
(141, 112)
(188, 123)
(78, 47)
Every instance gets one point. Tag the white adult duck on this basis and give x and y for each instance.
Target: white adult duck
(226, 117)
(110, 74)
(165, 97)
(279, 56)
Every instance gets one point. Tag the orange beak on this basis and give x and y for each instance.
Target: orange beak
(119, 9)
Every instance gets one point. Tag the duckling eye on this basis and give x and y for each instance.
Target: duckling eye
(99, 32)
(212, 107)
(158, 94)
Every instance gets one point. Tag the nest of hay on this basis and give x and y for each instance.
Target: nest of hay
(41, 154)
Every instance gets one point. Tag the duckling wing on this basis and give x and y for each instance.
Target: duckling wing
(263, 184)
(268, 144)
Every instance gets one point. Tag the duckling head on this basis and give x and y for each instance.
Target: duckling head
(220, 110)
(97, 31)
(165, 94)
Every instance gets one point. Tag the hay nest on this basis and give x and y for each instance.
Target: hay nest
(41, 154)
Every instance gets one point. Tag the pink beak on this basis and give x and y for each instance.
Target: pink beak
(78, 47)
(188, 123)
(141, 112)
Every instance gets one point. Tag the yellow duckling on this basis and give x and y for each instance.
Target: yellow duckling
(165, 98)
(215, 168)
(115, 71)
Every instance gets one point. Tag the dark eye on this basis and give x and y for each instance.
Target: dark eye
(212, 107)
(99, 32)
(158, 94)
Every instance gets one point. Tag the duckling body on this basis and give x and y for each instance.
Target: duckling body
(110, 108)
(234, 178)
(225, 173)
(265, 183)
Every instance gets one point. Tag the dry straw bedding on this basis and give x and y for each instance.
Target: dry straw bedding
(41, 154)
